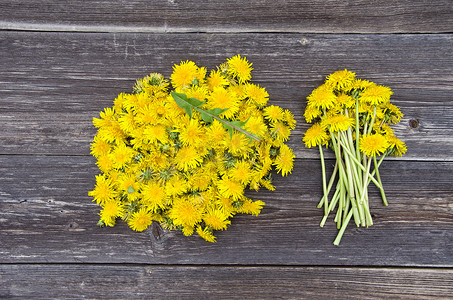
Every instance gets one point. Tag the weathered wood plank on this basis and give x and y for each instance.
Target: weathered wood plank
(47, 217)
(54, 83)
(231, 16)
(169, 282)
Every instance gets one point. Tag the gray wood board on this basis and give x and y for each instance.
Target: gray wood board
(46, 216)
(228, 16)
(53, 84)
(221, 282)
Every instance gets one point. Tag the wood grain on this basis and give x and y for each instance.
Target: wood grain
(228, 16)
(53, 84)
(47, 217)
(189, 282)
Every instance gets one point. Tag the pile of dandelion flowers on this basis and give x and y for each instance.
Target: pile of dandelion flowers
(184, 157)
(352, 117)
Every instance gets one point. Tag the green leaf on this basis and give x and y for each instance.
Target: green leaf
(130, 189)
(209, 115)
(181, 100)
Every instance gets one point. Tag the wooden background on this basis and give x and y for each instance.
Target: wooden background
(61, 62)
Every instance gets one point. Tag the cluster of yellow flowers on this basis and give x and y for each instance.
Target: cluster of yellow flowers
(353, 117)
(185, 157)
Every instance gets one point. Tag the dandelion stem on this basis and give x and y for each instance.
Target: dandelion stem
(376, 168)
(324, 185)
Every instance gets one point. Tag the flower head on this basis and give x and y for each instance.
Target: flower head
(322, 97)
(240, 68)
(373, 144)
(315, 135)
(341, 80)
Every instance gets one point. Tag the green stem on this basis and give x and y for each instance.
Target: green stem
(324, 185)
(337, 240)
(376, 168)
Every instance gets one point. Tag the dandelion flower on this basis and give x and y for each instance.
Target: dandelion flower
(376, 94)
(315, 135)
(341, 80)
(192, 134)
(187, 158)
(140, 220)
(184, 213)
(252, 207)
(240, 67)
(322, 97)
(222, 98)
(153, 196)
(398, 147)
(111, 210)
(103, 191)
(206, 234)
(273, 113)
(237, 144)
(122, 155)
(284, 161)
(373, 144)
(183, 74)
(339, 122)
(311, 113)
(216, 219)
(230, 188)
(256, 94)
(216, 79)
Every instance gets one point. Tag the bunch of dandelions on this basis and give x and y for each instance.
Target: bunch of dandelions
(353, 117)
(185, 157)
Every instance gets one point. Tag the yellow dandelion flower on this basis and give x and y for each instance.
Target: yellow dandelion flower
(341, 80)
(107, 116)
(240, 68)
(360, 84)
(206, 234)
(322, 97)
(216, 79)
(140, 220)
(118, 102)
(193, 133)
(104, 190)
(197, 92)
(187, 158)
(398, 147)
(216, 219)
(128, 184)
(225, 204)
(345, 101)
(239, 90)
(311, 113)
(256, 126)
(153, 196)
(252, 207)
(183, 74)
(222, 98)
(176, 186)
(256, 94)
(241, 171)
(373, 144)
(338, 122)
(284, 161)
(315, 135)
(273, 113)
(155, 133)
(99, 147)
(237, 144)
(122, 155)
(127, 122)
(185, 213)
(281, 131)
(216, 133)
(288, 118)
(230, 188)
(393, 112)
(147, 115)
(111, 210)
(105, 163)
(376, 94)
